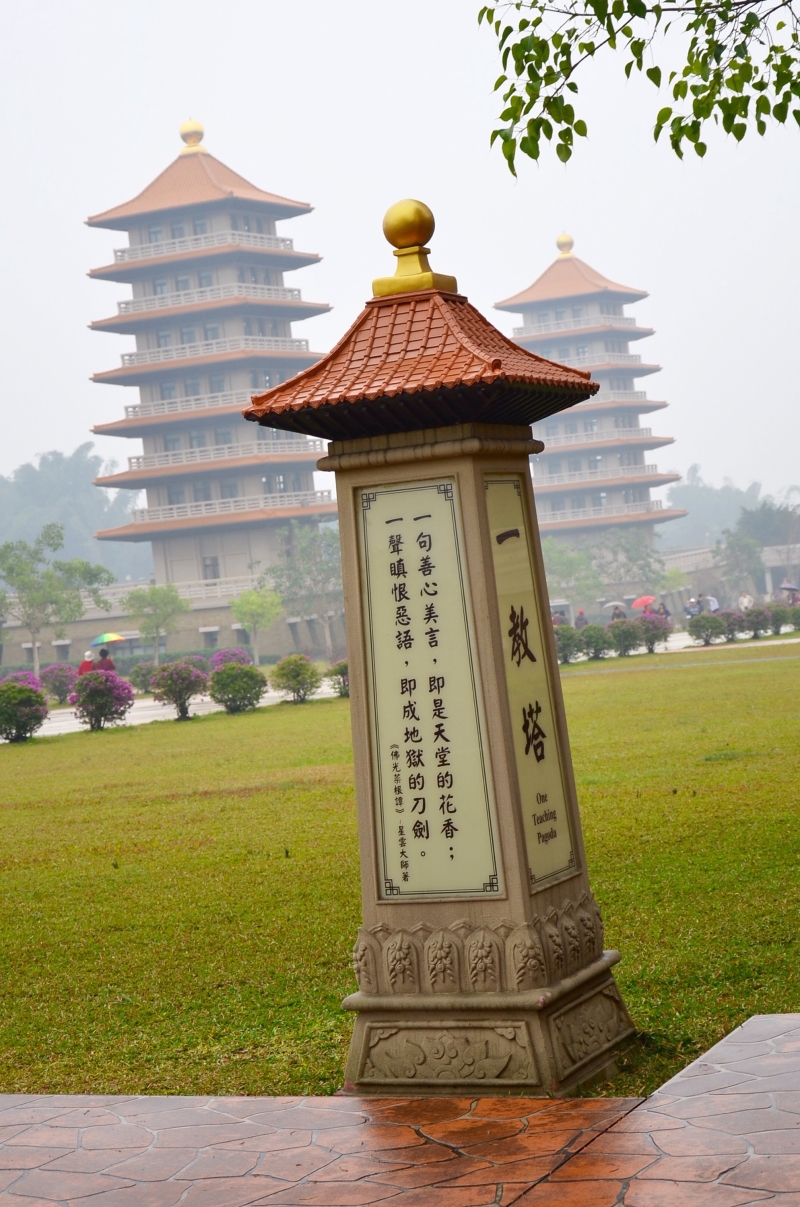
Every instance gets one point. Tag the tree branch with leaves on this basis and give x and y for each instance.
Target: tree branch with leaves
(156, 611)
(741, 66)
(44, 593)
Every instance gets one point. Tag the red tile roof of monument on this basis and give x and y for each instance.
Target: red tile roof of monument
(414, 345)
(192, 180)
(568, 277)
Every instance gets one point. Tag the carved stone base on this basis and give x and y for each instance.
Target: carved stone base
(536, 1043)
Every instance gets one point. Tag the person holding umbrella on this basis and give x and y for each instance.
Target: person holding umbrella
(106, 662)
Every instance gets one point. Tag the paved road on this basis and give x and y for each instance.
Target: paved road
(146, 709)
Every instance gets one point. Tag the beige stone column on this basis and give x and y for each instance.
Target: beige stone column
(480, 959)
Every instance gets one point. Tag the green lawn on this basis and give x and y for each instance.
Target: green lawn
(179, 901)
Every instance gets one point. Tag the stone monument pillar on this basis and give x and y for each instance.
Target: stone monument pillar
(480, 960)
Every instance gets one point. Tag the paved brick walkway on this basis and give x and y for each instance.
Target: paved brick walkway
(724, 1133)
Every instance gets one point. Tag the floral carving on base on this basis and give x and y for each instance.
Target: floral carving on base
(491, 1054)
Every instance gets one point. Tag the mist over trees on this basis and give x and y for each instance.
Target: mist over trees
(59, 490)
(711, 509)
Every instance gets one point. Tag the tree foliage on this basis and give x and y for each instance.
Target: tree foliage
(570, 571)
(741, 68)
(58, 680)
(156, 611)
(22, 711)
(308, 576)
(706, 627)
(237, 688)
(59, 488)
(101, 698)
(711, 509)
(738, 557)
(626, 555)
(296, 676)
(257, 610)
(176, 683)
(44, 593)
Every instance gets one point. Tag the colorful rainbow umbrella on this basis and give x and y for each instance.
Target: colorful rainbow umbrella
(106, 639)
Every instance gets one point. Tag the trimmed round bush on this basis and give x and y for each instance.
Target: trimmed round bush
(340, 678)
(654, 629)
(706, 627)
(626, 636)
(176, 683)
(569, 643)
(779, 616)
(733, 621)
(596, 641)
(296, 676)
(794, 617)
(58, 680)
(22, 710)
(757, 621)
(199, 661)
(25, 679)
(141, 674)
(237, 688)
(101, 698)
(223, 657)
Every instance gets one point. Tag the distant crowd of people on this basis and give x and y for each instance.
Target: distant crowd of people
(618, 613)
(104, 663)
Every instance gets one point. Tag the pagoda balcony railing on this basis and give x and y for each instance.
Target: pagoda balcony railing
(215, 588)
(214, 347)
(598, 513)
(176, 247)
(214, 293)
(599, 358)
(592, 320)
(610, 434)
(227, 452)
(596, 475)
(197, 402)
(215, 507)
(620, 396)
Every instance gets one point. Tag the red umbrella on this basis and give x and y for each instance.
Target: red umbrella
(643, 601)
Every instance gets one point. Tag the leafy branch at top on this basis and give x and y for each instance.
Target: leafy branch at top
(741, 69)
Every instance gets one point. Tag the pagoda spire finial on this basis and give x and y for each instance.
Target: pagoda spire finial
(565, 244)
(192, 134)
(408, 225)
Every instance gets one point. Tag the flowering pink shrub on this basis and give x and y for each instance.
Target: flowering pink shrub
(176, 683)
(26, 678)
(22, 710)
(196, 660)
(101, 698)
(59, 680)
(223, 657)
(654, 629)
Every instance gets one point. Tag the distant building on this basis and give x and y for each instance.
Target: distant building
(593, 473)
(212, 318)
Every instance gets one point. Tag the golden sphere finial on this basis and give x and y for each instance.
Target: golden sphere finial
(408, 223)
(565, 244)
(192, 134)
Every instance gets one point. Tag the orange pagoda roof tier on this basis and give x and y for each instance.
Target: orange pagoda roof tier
(569, 277)
(195, 179)
(418, 357)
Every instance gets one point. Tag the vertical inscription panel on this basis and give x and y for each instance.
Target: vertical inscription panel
(435, 818)
(538, 758)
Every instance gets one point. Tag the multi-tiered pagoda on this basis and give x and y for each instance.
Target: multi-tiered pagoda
(212, 319)
(593, 473)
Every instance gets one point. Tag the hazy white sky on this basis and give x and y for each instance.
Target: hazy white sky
(352, 107)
